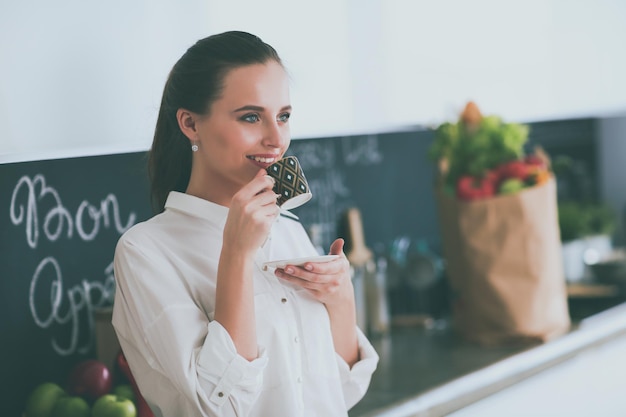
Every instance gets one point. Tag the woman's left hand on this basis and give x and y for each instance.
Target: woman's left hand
(328, 282)
(331, 284)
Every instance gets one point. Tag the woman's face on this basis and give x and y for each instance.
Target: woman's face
(247, 129)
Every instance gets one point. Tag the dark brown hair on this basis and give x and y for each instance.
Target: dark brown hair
(194, 83)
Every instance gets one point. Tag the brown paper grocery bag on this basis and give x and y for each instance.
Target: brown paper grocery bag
(503, 257)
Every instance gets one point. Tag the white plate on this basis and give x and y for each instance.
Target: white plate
(298, 261)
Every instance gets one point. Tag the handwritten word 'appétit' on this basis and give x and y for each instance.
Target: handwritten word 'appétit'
(87, 220)
(73, 307)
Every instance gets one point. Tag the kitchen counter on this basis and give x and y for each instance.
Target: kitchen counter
(432, 372)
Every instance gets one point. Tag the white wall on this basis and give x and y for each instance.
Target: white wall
(526, 60)
(81, 77)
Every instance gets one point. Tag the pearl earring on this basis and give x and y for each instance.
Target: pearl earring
(194, 147)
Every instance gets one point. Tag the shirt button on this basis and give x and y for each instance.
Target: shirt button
(220, 394)
(299, 379)
(296, 339)
(283, 300)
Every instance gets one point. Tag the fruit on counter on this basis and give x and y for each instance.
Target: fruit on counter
(111, 405)
(90, 379)
(71, 406)
(125, 391)
(89, 383)
(42, 400)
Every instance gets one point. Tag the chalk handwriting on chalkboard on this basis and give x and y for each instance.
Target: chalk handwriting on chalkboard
(329, 189)
(328, 162)
(69, 306)
(361, 150)
(314, 155)
(87, 215)
(72, 307)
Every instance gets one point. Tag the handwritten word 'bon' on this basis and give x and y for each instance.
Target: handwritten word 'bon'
(87, 220)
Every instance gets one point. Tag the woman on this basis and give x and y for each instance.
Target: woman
(206, 331)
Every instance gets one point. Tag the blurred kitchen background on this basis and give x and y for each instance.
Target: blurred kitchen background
(370, 80)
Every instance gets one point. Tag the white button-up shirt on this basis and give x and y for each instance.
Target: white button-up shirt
(186, 364)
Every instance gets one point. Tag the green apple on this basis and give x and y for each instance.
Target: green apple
(111, 405)
(124, 390)
(71, 406)
(42, 399)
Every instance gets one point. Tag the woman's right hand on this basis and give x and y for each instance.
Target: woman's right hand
(253, 210)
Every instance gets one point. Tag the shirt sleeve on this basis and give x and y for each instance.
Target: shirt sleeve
(225, 372)
(356, 380)
(182, 360)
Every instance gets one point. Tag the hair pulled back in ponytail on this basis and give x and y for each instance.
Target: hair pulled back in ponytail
(194, 83)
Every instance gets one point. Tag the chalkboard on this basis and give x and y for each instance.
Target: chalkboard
(386, 176)
(60, 220)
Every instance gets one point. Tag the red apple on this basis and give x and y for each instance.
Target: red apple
(90, 379)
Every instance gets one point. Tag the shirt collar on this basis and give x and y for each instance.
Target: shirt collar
(196, 207)
(204, 209)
